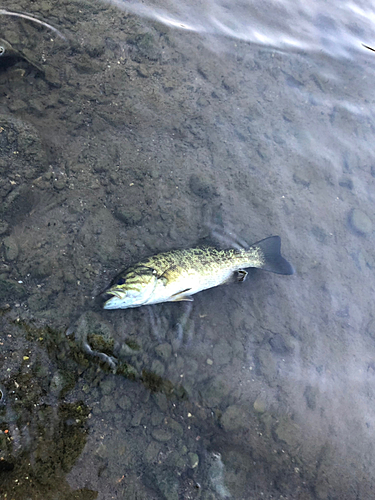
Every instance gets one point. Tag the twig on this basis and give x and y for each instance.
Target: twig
(4, 12)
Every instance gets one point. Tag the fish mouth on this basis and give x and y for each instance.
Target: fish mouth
(120, 294)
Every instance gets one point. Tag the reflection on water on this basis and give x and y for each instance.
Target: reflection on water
(286, 25)
(131, 138)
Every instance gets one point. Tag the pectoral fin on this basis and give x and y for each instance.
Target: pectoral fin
(241, 275)
(180, 296)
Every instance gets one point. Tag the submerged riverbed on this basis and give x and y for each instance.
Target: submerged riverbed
(130, 136)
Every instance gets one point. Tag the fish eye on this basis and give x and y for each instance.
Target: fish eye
(2, 50)
(121, 281)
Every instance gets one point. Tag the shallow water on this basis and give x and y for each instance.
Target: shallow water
(135, 136)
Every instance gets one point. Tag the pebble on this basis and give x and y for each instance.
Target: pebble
(157, 368)
(11, 248)
(360, 222)
(161, 434)
(193, 460)
(3, 226)
(164, 351)
(124, 402)
(202, 187)
(259, 405)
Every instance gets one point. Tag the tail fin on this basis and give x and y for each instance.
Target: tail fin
(273, 260)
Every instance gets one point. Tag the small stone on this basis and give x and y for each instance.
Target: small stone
(108, 404)
(215, 391)
(193, 460)
(222, 353)
(143, 71)
(161, 434)
(137, 418)
(124, 402)
(202, 187)
(61, 382)
(280, 345)
(164, 351)
(259, 405)
(157, 368)
(107, 386)
(175, 426)
(3, 226)
(288, 432)
(302, 178)
(209, 361)
(11, 248)
(235, 418)
(156, 418)
(130, 216)
(59, 184)
(360, 222)
(310, 396)
(161, 401)
(152, 452)
(52, 75)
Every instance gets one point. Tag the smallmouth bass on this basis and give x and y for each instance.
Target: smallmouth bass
(177, 275)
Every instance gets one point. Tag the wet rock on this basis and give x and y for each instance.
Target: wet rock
(202, 187)
(10, 248)
(235, 418)
(360, 222)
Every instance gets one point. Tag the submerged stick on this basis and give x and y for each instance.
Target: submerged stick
(4, 12)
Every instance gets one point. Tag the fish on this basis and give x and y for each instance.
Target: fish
(8, 54)
(176, 275)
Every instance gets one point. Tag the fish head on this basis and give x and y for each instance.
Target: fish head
(132, 289)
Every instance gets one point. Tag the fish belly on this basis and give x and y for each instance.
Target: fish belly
(189, 283)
